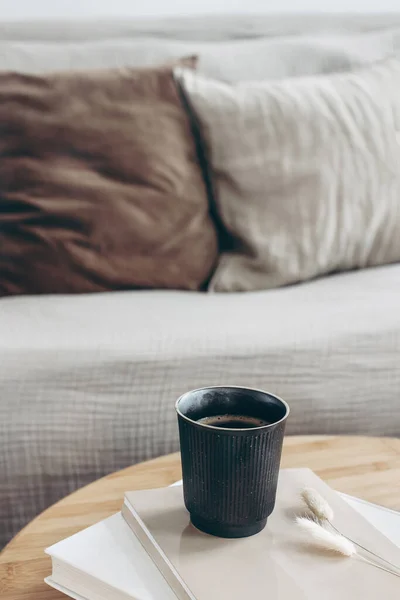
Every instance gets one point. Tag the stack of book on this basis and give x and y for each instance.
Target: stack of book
(150, 551)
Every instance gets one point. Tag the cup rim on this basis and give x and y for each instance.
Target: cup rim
(236, 387)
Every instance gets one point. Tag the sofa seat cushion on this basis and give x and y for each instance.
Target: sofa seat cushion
(88, 383)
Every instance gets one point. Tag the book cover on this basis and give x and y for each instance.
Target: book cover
(278, 563)
(103, 562)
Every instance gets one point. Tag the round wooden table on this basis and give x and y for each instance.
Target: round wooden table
(365, 467)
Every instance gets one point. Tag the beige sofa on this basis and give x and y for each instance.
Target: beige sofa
(88, 383)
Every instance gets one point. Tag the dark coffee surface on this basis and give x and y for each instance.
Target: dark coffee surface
(233, 421)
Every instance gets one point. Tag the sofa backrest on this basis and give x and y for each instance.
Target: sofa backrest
(230, 48)
(213, 28)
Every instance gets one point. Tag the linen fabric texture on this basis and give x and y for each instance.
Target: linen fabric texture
(100, 186)
(306, 173)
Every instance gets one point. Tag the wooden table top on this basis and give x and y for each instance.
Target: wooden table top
(365, 467)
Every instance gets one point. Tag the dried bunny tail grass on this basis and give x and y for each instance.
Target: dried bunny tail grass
(317, 504)
(335, 542)
(324, 513)
(325, 539)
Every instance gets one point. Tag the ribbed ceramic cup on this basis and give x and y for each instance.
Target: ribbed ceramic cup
(230, 475)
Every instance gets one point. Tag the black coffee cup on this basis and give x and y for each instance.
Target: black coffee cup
(231, 444)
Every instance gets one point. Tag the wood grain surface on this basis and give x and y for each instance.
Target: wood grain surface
(365, 467)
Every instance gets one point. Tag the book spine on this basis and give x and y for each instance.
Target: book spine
(160, 560)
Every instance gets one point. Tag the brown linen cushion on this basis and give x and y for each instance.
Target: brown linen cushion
(100, 187)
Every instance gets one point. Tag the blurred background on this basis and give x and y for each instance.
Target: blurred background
(126, 277)
(67, 9)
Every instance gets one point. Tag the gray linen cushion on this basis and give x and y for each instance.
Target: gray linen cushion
(307, 173)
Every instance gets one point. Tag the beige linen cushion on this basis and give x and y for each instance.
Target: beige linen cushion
(306, 173)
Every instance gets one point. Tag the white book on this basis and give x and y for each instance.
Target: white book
(107, 562)
(385, 520)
